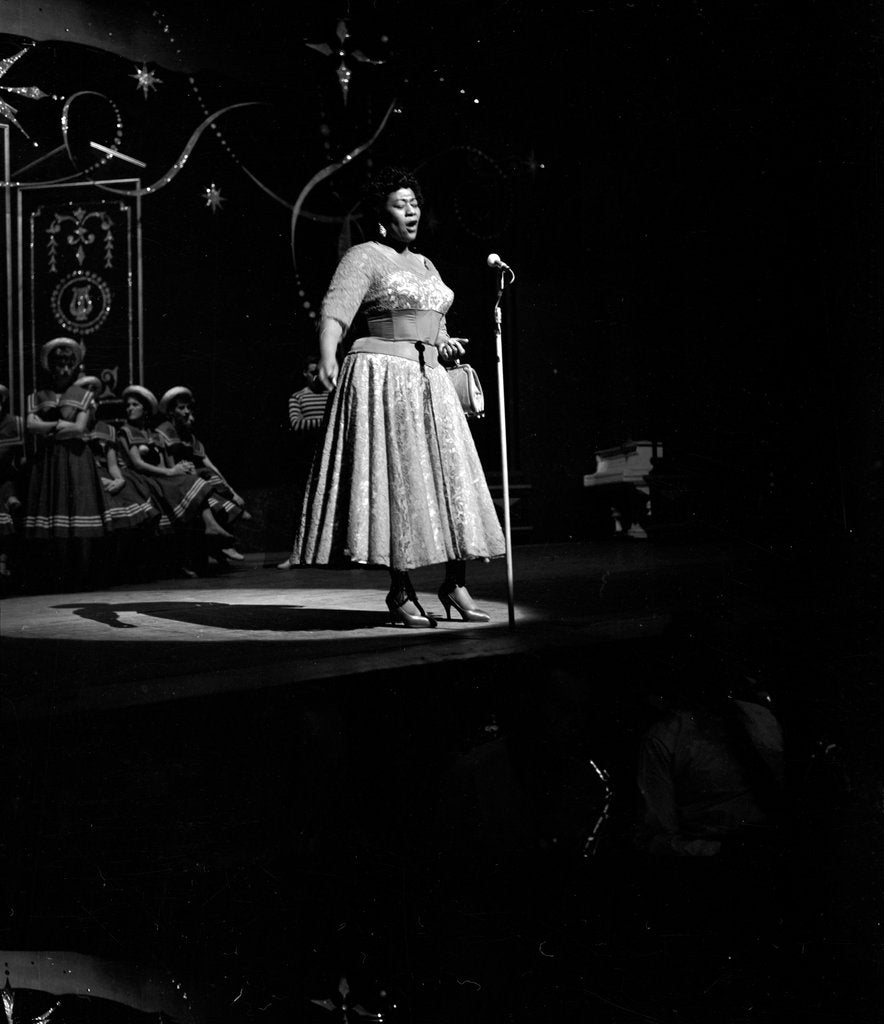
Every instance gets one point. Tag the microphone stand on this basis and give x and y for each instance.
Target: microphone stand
(505, 482)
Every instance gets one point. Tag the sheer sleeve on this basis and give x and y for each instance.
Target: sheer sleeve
(348, 287)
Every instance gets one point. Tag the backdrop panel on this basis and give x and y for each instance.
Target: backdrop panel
(79, 269)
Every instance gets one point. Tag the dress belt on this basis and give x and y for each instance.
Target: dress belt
(420, 351)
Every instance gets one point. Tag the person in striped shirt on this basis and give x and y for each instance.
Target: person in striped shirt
(306, 416)
(307, 406)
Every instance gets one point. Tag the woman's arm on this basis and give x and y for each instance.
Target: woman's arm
(450, 349)
(141, 466)
(212, 468)
(116, 481)
(42, 428)
(184, 466)
(168, 460)
(69, 429)
(330, 334)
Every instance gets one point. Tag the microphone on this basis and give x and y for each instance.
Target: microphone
(494, 260)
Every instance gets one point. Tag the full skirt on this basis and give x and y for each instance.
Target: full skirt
(132, 506)
(65, 496)
(397, 480)
(179, 499)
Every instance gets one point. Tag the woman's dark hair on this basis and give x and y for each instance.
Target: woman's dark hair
(386, 180)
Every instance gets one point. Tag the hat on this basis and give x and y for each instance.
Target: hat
(171, 395)
(142, 394)
(51, 346)
(4, 390)
(88, 381)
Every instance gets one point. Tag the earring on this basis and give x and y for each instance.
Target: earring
(382, 231)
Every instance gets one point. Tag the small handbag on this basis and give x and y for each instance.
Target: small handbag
(466, 384)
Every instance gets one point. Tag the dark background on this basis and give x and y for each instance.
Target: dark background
(687, 192)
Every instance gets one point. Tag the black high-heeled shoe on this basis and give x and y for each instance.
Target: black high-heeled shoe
(463, 603)
(400, 615)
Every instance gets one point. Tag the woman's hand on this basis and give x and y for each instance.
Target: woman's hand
(328, 373)
(112, 486)
(452, 349)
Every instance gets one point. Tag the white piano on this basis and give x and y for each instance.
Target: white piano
(625, 470)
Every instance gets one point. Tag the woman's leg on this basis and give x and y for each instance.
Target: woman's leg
(402, 601)
(400, 586)
(454, 594)
(213, 527)
(455, 574)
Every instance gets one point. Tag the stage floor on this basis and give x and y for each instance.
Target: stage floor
(255, 782)
(254, 626)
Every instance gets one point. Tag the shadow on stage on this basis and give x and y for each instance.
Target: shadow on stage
(283, 618)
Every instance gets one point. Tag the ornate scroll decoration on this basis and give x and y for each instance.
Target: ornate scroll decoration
(80, 235)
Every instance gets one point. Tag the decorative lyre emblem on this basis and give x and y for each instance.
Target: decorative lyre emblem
(81, 302)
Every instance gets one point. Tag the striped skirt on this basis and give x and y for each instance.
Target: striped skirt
(65, 496)
(132, 506)
(179, 499)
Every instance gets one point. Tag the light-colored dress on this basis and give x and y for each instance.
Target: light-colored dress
(397, 480)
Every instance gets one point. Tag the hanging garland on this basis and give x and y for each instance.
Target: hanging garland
(321, 175)
(473, 218)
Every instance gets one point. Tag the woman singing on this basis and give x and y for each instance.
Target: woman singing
(397, 480)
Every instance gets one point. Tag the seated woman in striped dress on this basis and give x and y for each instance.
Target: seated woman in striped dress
(128, 498)
(178, 491)
(182, 445)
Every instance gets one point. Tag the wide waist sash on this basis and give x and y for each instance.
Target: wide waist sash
(406, 333)
(406, 325)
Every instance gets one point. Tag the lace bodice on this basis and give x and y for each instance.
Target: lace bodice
(377, 279)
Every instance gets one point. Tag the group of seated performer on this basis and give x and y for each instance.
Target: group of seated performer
(90, 479)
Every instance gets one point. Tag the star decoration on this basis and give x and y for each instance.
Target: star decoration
(342, 52)
(146, 79)
(533, 164)
(213, 197)
(31, 92)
